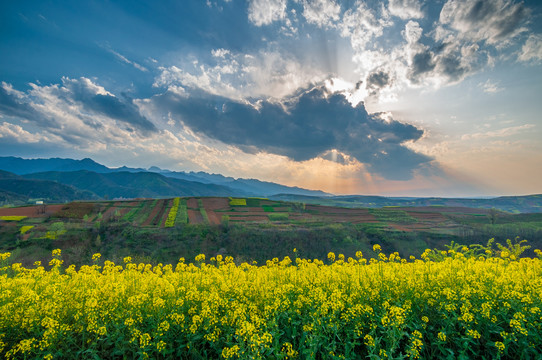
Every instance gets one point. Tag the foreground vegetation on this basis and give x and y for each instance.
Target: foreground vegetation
(460, 303)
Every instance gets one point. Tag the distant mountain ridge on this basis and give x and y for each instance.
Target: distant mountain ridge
(63, 180)
(128, 185)
(227, 186)
(15, 189)
(513, 204)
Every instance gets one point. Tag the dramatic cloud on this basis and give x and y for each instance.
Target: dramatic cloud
(78, 112)
(48, 105)
(14, 103)
(267, 73)
(95, 99)
(302, 128)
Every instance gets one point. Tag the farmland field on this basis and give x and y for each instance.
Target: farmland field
(245, 228)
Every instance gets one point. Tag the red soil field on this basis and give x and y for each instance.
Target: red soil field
(192, 203)
(194, 217)
(30, 211)
(212, 204)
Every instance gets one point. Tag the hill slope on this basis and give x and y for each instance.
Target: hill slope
(16, 189)
(513, 204)
(132, 185)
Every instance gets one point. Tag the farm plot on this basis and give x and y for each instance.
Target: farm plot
(212, 205)
(156, 213)
(354, 216)
(182, 215)
(31, 211)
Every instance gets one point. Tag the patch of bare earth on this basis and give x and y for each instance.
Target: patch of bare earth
(194, 216)
(211, 205)
(31, 211)
(192, 203)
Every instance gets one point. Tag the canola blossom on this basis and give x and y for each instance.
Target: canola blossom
(12, 217)
(455, 307)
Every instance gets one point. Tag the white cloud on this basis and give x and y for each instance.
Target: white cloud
(13, 132)
(264, 12)
(323, 13)
(532, 49)
(221, 53)
(491, 21)
(362, 25)
(490, 87)
(413, 32)
(406, 9)
(125, 60)
(267, 73)
(505, 132)
(77, 113)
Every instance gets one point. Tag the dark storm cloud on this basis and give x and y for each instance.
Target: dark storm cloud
(422, 63)
(108, 105)
(378, 79)
(450, 65)
(302, 128)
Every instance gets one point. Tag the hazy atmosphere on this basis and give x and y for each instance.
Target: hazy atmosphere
(402, 97)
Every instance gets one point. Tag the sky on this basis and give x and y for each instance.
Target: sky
(396, 98)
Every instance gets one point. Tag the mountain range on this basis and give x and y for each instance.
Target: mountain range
(62, 180)
(87, 179)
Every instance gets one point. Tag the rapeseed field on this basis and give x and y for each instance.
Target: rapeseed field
(461, 303)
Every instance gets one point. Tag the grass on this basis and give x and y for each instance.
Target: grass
(388, 215)
(278, 216)
(182, 213)
(203, 212)
(130, 216)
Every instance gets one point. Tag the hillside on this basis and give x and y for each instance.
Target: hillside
(247, 187)
(512, 204)
(16, 190)
(132, 185)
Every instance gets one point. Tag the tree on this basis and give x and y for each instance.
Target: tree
(493, 214)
